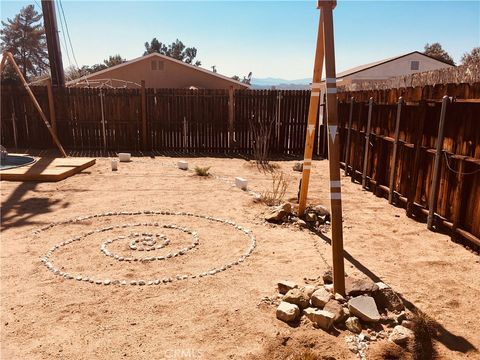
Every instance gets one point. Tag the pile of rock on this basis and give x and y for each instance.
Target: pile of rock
(314, 216)
(371, 311)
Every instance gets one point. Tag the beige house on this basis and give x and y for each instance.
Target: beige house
(158, 71)
(402, 65)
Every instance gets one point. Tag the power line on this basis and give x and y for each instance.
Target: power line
(68, 33)
(65, 46)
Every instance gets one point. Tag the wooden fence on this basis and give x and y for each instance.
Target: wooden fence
(405, 173)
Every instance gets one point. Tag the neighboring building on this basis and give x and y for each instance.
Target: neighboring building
(402, 65)
(158, 71)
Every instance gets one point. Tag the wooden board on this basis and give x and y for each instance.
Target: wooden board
(47, 169)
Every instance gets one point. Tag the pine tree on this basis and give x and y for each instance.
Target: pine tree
(436, 51)
(24, 37)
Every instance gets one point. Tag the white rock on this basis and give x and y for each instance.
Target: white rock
(284, 286)
(320, 297)
(401, 335)
(365, 308)
(323, 319)
(287, 312)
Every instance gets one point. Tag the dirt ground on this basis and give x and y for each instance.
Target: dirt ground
(44, 316)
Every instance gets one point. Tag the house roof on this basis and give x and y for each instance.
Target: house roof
(381, 62)
(164, 57)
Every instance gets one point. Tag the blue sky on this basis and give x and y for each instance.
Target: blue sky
(269, 38)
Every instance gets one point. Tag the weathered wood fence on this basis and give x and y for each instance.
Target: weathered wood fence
(393, 153)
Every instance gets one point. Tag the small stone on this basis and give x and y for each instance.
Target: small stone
(287, 312)
(340, 298)
(279, 212)
(386, 298)
(297, 297)
(408, 324)
(320, 297)
(310, 217)
(327, 277)
(298, 167)
(336, 309)
(354, 325)
(365, 308)
(355, 287)
(401, 317)
(322, 211)
(328, 287)
(401, 335)
(106, 282)
(309, 290)
(323, 319)
(284, 286)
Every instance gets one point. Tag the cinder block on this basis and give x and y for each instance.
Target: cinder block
(241, 183)
(124, 157)
(182, 165)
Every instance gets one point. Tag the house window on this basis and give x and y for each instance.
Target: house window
(157, 65)
(414, 65)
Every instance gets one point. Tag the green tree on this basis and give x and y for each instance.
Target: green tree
(246, 79)
(436, 51)
(113, 60)
(176, 50)
(24, 37)
(472, 59)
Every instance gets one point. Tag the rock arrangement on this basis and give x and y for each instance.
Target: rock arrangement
(145, 242)
(314, 216)
(370, 311)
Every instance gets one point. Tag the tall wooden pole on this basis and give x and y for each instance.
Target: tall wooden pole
(333, 151)
(53, 43)
(312, 117)
(51, 106)
(10, 58)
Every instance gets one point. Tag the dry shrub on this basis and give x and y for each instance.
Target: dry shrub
(279, 187)
(202, 171)
(387, 350)
(306, 355)
(261, 130)
(424, 329)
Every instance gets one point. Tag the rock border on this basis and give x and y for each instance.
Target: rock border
(195, 241)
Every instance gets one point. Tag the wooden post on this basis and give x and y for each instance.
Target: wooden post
(51, 106)
(367, 143)
(458, 199)
(102, 108)
(10, 58)
(312, 117)
(432, 201)
(14, 126)
(231, 114)
(333, 152)
(349, 133)
(417, 157)
(144, 116)
(393, 170)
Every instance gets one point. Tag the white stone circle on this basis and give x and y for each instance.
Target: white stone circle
(148, 242)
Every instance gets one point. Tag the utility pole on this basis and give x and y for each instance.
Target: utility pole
(326, 50)
(53, 43)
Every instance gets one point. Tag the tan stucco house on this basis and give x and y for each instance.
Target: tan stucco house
(385, 69)
(158, 71)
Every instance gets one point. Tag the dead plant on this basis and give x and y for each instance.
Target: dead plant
(261, 130)
(279, 187)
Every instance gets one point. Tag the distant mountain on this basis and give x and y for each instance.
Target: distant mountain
(269, 81)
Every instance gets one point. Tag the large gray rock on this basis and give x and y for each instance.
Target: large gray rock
(365, 308)
(284, 286)
(320, 297)
(355, 287)
(336, 309)
(354, 325)
(287, 312)
(386, 298)
(401, 335)
(323, 319)
(277, 213)
(298, 297)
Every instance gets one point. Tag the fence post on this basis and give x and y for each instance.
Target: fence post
(14, 125)
(393, 170)
(432, 201)
(367, 143)
(104, 135)
(144, 116)
(51, 106)
(231, 127)
(349, 132)
(458, 199)
(416, 162)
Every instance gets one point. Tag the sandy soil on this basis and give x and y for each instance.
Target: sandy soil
(216, 317)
